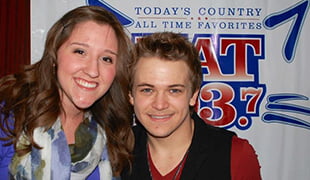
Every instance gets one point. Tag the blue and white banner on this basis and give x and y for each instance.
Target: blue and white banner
(254, 59)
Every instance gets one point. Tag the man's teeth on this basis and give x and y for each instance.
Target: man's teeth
(160, 117)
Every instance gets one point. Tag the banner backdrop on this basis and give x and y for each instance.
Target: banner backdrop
(254, 56)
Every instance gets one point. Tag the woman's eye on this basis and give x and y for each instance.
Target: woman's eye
(107, 59)
(79, 51)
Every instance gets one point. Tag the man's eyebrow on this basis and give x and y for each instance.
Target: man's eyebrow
(177, 85)
(170, 86)
(145, 84)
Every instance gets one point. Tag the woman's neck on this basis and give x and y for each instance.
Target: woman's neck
(70, 123)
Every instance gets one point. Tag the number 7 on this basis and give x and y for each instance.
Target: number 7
(297, 13)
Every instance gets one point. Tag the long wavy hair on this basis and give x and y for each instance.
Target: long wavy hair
(32, 96)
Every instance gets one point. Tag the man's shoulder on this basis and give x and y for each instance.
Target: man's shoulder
(203, 128)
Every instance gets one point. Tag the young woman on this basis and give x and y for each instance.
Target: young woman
(67, 116)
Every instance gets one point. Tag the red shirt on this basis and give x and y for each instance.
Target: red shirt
(244, 163)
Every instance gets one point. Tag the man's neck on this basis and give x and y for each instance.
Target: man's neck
(167, 152)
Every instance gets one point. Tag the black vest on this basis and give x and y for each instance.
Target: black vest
(208, 157)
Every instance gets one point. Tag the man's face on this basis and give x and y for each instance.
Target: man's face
(161, 96)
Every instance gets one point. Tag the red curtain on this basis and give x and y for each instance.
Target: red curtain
(14, 35)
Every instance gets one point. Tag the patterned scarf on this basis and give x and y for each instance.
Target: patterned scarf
(57, 160)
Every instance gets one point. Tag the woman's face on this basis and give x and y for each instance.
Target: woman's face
(86, 64)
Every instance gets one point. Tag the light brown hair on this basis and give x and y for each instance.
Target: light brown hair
(169, 46)
(32, 95)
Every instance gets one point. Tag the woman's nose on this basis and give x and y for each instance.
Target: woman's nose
(92, 68)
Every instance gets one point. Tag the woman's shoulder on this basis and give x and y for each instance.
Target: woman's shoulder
(6, 151)
(6, 154)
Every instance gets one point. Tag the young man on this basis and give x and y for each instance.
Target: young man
(172, 142)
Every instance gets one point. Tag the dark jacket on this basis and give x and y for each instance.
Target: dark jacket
(208, 158)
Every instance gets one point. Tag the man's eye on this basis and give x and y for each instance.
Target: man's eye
(147, 90)
(107, 59)
(175, 91)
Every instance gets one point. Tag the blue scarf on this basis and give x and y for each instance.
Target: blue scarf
(55, 161)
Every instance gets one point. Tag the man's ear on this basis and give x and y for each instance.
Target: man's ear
(193, 99)
(130, 98)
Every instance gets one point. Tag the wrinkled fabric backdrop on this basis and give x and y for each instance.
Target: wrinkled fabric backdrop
(254, 58)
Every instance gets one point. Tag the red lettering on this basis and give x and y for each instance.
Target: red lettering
(210, 60)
